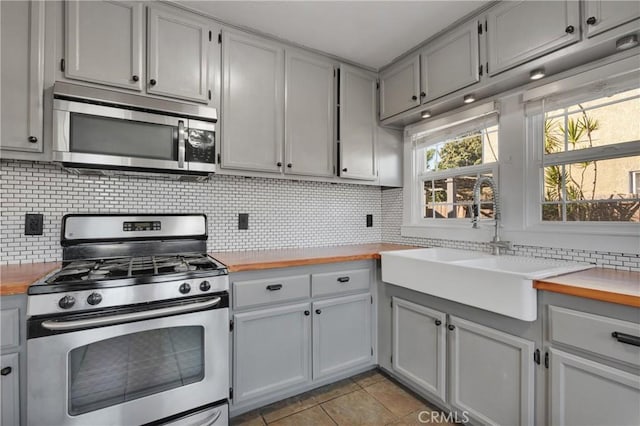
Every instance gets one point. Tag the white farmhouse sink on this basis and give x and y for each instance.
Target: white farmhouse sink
(501, 284)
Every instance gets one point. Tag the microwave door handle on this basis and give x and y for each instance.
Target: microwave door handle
(181, 144)
(134, 316)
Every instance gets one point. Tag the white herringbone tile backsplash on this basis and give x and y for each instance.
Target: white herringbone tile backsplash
(282, 214)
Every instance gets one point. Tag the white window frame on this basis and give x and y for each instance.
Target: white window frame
(634, 187)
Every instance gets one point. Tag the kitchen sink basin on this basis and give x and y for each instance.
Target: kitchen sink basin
(501, 284)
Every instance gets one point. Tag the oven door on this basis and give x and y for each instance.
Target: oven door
(99, 135)
(128, 370)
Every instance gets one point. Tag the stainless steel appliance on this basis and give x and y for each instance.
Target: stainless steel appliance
(102, 129)
(133, 329)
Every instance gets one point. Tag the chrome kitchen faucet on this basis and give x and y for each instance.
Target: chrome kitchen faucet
(496, 243)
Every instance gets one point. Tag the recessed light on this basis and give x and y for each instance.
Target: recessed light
(426, 114)
(537, 74)
(627, 42)
(469, 98)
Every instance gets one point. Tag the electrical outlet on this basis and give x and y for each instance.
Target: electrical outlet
(369, 220)
(243, 220)
(33, 224)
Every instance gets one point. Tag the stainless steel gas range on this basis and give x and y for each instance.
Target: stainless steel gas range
(133, 329)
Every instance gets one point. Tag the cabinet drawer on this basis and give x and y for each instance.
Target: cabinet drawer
(271, 290)
(593, 333)
(339, 282)
(10, 329)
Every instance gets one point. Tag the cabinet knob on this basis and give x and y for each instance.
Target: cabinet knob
(135, 78)
(414, 97)
(32, 139)
(279, 164)
(6, 371)
(451, 327)
(318, 311)
(152, 82)
(422, 94)
(289, 165)
(344, 170)
(591, 20)
(570, 29)
(307, 313)
(438, 322)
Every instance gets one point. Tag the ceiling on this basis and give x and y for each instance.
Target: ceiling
(370, 33)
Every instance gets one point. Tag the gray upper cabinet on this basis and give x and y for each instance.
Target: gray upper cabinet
(178, 58)
(341, 334)
(309, 111)
(357, 132)
(584, 392)
(603, 15)
(400, 87)
(271, 350)
(491, 373)
(519, 31)
(451, 62)
(104, 42)
(22, 79)
(419, 346)
(252, 103)
(10, 390)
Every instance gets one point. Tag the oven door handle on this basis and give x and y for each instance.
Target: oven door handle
(181, 144)
(135, 316)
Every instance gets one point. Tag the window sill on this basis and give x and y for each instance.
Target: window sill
(454, 231)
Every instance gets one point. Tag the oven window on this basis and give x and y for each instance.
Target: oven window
(109, 136)
(120, 369)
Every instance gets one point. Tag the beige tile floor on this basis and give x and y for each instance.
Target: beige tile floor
(366, 399)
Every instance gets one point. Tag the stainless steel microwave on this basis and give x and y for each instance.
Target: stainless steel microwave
(102, 129)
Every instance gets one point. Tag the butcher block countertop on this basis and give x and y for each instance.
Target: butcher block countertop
(15, 279)
(607, 285)
(253, 260)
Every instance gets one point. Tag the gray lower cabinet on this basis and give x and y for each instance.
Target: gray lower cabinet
(12, 369)
(10, 390)
(271, 350)
(491, 374)
(419, 345)
(341, 334)
(585, 392)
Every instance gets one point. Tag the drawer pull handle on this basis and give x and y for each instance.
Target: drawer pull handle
(626, 338)
(274, 287)
(343, 279)
(6, 371)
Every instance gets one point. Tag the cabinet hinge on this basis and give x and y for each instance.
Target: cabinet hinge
(546, 360)
(219, 38)
(486, 28)
(230, 393)
(391, 358)
(536, 356)
(391, 304)
(479, 28)
(231, 325)
(480, 70)
(210, 35)
(487, 67)
(218, 158)
(62, 65)
(209, 94)
(378, 85)
(372, 351)
(372, 300)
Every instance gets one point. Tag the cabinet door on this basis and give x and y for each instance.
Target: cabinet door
(389, 153)
(22, 34)
(252, 103)
(178, 52)
(309, 112)
(601, 15)
(491, 374)
(451, 63)
(585, 392)
(10, 390)
(341, 334)
(400, 87)
(104, 42)
(357, 133)
(519, 31)
(419, 346)
(271, 350)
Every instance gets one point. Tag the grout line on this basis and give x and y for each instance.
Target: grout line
(328, 415)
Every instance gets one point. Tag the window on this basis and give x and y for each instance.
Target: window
(590, 149)
(448, 162)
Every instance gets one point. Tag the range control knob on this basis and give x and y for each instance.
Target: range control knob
(94, 299)
(67, 302)
(205, 286)
(185, 288)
